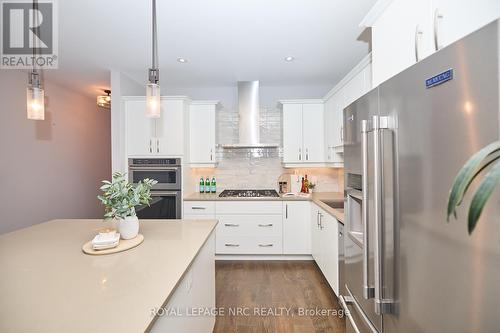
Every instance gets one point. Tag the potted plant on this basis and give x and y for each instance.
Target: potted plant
(312, 186)
(489, 156)
(120, 199)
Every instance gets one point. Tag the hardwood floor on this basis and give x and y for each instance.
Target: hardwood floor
(259, 289)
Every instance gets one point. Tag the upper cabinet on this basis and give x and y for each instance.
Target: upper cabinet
(202, 133)
(162, 137)
(354, 85)
(405, 32)
(303, 132)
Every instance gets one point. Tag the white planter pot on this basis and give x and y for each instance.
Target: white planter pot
(128, 227)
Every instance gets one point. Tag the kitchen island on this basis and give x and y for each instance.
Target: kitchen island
(47, 284)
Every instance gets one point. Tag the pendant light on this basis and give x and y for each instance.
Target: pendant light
(104, 101)
(153, 86)
(35, 100)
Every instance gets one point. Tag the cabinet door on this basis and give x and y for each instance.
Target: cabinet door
(170, 128)
(461, 17)
(140, 130)
(292, 133)
(313, 133)
(331, 257)
(296, 227)
(395, 37)
(315, 240)
(202, 134)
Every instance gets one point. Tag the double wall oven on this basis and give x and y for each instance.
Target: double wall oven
(166, 194)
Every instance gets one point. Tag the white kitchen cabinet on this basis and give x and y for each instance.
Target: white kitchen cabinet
(196, 290)
(401, 36)
(303, 132)
(313, 133)
(454, 19)
(324, 238)
(404, 32)
(292, 133)
(170, 128)
(354, 85)
(160, 137)
(296, 227)
(202, 134)
(140, 130)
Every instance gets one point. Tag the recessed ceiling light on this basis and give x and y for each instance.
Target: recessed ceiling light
(289, 59)
(182, 60)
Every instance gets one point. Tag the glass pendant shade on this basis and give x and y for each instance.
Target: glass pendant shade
(153, 100)
(35, 103)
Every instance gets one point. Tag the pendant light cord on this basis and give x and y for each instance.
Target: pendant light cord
(155, 42)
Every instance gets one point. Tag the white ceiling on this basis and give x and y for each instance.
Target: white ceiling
(223, 40)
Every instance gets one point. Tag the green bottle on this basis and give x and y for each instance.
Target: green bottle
(202, 185)
(207, 185)
(213, 186)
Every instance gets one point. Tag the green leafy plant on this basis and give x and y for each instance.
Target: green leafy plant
(120, 197)
(486, 157)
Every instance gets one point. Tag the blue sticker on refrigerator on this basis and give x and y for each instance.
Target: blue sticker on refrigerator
(439, 79)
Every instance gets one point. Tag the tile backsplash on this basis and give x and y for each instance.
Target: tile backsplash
(255, 168)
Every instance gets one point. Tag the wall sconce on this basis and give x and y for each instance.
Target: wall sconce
(35, 100)
(104, 101)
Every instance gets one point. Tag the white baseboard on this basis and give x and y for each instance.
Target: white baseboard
(262, 257)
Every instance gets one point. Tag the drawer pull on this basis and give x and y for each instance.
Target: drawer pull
(266, 245)
(231, 225)
(232, 245)
(198, 208)
(266, 225)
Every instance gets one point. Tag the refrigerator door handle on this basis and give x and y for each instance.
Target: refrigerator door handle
(348, 314)
(368, 291)
(348, 300)
(381, 305)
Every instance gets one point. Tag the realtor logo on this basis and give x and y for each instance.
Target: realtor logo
(29, 34)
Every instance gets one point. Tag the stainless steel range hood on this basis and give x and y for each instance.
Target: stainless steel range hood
(249, 117)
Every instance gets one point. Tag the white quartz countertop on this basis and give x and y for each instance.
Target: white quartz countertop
(318, 198)
(47, 284)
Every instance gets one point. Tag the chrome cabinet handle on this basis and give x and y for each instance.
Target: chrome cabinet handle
(198, 208)
(231, 245)
(150, 146)
(382, 305)
(317, 219)
(286, 211)
(321, 221)
(300, 154)
(157, 145)
(307, 154)
(266, 245)
(342, 134)
(266, 225)
(231, 225)
(438, 16)
(211, 155)
(368, 291)
(418, 35)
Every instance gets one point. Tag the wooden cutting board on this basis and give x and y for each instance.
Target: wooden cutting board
(123, 245)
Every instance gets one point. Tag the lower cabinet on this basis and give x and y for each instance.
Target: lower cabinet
(196, 290)
(324, 237)
(249, 227)
(296, 227)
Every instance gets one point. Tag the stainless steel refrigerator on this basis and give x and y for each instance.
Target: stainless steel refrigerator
(406, 269)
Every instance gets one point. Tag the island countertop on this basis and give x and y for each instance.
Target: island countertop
(47, 284)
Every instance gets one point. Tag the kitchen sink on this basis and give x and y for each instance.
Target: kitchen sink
(334, 203)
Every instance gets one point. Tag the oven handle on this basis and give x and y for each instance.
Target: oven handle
(162, 193)
(156, 168)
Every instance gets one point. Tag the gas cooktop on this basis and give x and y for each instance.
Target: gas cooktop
(249, 194)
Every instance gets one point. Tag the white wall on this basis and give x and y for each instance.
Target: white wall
(50, 169)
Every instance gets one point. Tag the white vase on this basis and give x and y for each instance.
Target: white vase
(128, 227)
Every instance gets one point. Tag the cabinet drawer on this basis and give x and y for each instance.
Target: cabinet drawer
(248, 245)
(249, 225)
(199, 208)
(249, 207)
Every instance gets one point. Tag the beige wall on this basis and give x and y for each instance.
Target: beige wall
(50, 169)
